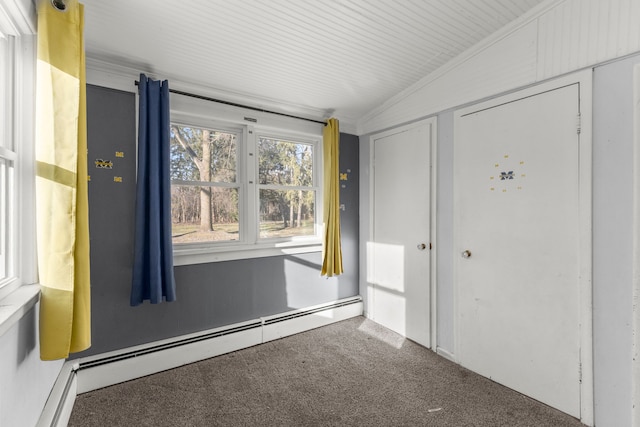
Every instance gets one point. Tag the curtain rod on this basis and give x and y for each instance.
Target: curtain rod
(233, 104)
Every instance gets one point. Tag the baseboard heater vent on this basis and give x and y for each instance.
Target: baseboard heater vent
(310, 311)
(99, 371)
(172, 344)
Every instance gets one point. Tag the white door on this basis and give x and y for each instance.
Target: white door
(398, 254)
(516, 207)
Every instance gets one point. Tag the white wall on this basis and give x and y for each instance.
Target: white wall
(613, 240)
(25, 380)
(558, 37)
(563, 36)
(444, 242)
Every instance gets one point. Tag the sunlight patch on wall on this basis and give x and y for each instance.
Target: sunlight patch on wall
(385, 265)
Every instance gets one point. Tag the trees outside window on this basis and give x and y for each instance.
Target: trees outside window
(215, 200)
(205, 192)
(287, 194)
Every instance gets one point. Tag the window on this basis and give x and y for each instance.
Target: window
(17, 106)
(205, 192)
(8, 159)
(286, 188)
(7, 213)
(236, 188)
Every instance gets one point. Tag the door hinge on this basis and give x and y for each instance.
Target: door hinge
(580, 372)
(578, 123)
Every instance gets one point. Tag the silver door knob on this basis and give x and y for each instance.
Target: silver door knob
(422, 246)
(466, 254)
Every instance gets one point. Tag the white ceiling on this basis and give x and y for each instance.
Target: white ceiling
(315, 58)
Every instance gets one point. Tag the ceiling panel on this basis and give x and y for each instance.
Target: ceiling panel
(342, 57)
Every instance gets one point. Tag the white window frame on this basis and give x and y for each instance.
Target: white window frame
(18, 26)
(317, 185)
(209, 115)
(241, 167)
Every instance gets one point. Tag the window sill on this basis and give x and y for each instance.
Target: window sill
(188, 256)
(15, 305)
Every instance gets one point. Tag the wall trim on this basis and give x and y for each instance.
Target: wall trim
(587, 406)
(446, 354)
(57, 410)
(635, 331)
(121, 77)
(473, 51)
(433, 233)
(432, 122)
(188, 255)
(16, 305)
(114, 367)
(18, 17)
(102, 370)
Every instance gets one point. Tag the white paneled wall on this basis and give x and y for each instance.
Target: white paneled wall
(503, 64)
(580, 33)
(557, 38)
(337, 57)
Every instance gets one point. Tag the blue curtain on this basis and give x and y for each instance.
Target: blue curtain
(153, 277)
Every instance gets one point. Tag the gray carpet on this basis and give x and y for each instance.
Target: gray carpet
(351, 373)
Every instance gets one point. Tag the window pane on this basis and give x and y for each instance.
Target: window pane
(286, 213)
(6, 218)
(5, 87)
(285, 162)
(203, 155)
(3, 218)
(192, 224)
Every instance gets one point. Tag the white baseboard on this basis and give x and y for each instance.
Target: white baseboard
(444, 353)
(93, 372)
(57, 410)
(115, 367)
(99, 375)
(275, 327)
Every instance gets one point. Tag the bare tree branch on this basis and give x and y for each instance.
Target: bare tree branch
(187, 147)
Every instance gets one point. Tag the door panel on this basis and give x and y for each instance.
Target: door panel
(399, 269)
(517, 214)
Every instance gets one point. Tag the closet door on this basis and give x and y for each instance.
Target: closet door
(399, 269)
(516, 208)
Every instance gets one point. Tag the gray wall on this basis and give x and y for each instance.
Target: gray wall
(208, 295)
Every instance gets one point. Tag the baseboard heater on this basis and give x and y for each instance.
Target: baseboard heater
(106, 369)
(161, 347)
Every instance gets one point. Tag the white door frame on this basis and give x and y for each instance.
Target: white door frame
(635, 362)
(584, 79)
(432, 123)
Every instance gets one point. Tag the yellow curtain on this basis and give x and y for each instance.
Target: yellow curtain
(62, 207)
(331, 248)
